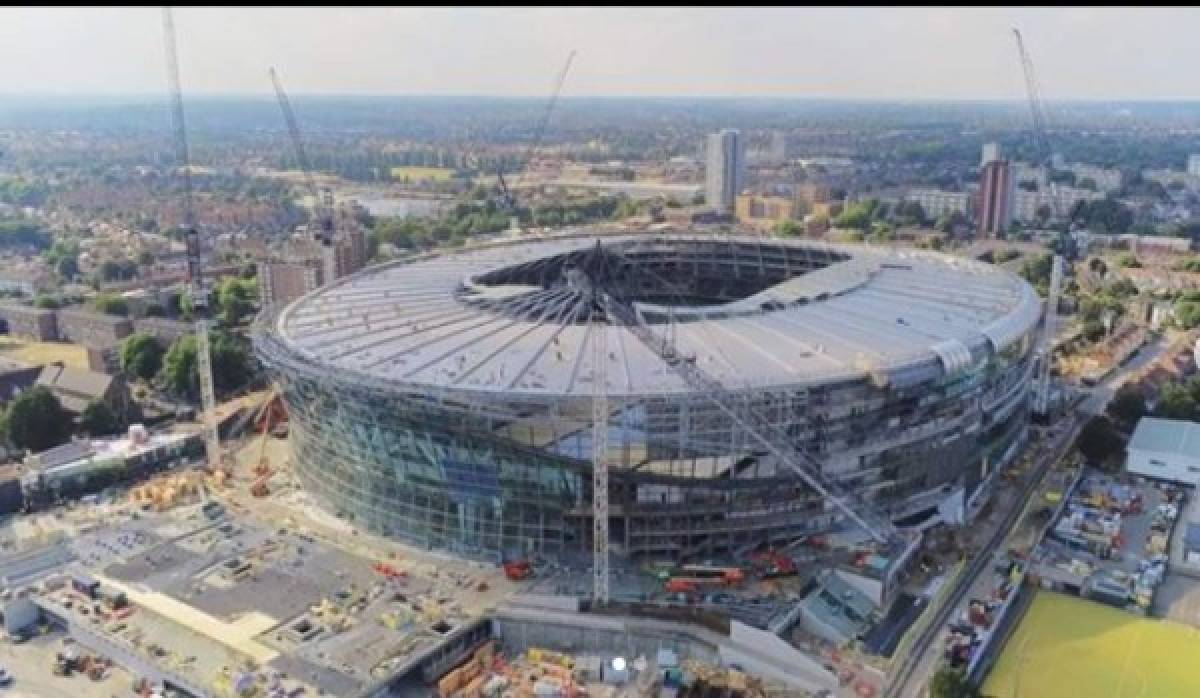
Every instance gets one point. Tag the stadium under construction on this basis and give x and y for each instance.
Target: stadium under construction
(447, 400)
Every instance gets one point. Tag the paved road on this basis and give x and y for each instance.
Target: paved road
(915, 670)
(913, 673)
(1102, 393)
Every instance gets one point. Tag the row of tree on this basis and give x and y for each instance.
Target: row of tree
(174, 368)
(36, 420)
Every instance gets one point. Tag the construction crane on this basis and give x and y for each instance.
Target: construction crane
(197, 285)
(322, 198)
(508, 200)
(1050, 322)
(600, 416)
(1038, 116)
(759, 427)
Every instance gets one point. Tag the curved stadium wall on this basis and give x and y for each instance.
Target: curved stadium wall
(447, 401)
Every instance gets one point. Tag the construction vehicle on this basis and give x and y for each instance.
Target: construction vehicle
(197, 285)
(259, 488)
(518, 570)
(771, 563)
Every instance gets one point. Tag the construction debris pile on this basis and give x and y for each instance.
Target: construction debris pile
(545, 673)
(168, 491)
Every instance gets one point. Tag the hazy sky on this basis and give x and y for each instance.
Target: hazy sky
(885, 53)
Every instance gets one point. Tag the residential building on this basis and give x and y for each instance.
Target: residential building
(778, 149)
(29, 280)
(1107, 180)
(724, 170)
(1165, 449)
(991, 153)
(164, 330)
(764, 210)
(104, 359)
(282, 281)
(15, 378)
(76, 388)
(91, 328)
(938, 202)
(1193, 165)
(996, 188)
(1025, 204)
(38, 324)
(1024, 172)
(346, 255)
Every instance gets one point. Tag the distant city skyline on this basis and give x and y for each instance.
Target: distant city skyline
(838, 53)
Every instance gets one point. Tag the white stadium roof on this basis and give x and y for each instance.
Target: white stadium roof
(872, 310)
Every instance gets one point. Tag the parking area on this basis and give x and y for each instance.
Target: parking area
(1112, 540)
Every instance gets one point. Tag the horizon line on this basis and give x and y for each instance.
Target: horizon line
(267, 96)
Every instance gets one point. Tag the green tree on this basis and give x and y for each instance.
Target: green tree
(141, 355)
(1127, 406)
(1187, 314)
(111, 304)
(67, 268)
(178, 372)
(1175, 402)
(37, 421)
(951, 683)
(787, 228)
(236, 299)
(1037, 270)
(231, 364)
(1099, 441)
(98, 419)
(1129, 261)
(47, 302)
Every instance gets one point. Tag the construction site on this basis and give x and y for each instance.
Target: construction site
(581, 464)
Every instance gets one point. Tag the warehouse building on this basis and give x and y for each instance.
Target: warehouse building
(1165, 449)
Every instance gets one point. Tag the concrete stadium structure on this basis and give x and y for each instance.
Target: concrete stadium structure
(447, 400)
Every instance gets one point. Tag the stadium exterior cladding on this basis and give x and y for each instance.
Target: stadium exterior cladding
(447, 400)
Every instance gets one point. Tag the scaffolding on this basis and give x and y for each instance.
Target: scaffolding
(496, 472)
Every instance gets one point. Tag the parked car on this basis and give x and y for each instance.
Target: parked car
(6, 678)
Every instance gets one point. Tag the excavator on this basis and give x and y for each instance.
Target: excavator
(272, 415)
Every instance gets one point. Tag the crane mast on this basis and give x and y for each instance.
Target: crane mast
(197, 286)
(1050, 322)
(322, 199)
(1049, 318)
(1038, 116)
(508, 198)
(755, 424)
(600, 414)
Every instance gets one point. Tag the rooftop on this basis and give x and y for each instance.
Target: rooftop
(757, 313)
(1167, 436)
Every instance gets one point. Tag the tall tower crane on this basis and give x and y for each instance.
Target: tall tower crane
(322, 198)
(197, 285)
(600, 416)
(1042, 394)
(508, 198)
(609, 304)
(1038, 116)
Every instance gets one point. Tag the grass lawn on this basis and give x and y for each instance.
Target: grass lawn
(43, 353)
(1067, 647)
(415, 174)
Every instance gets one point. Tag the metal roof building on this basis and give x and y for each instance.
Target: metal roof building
(1165, 449)
(448, 398)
